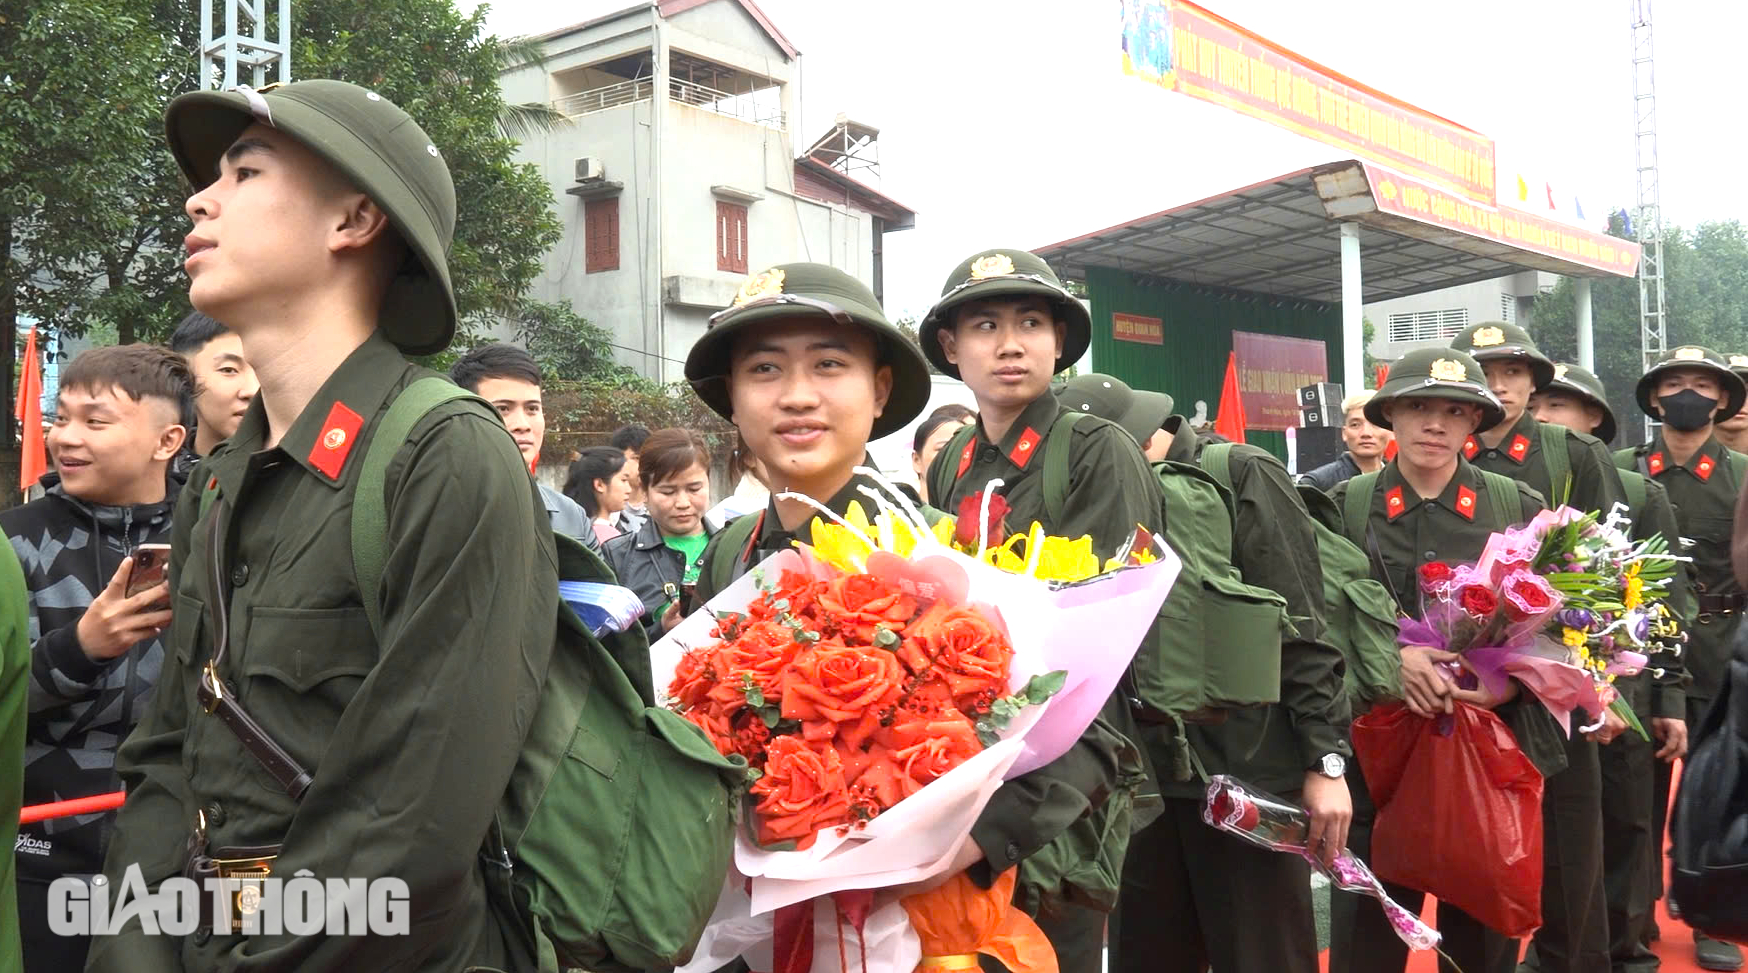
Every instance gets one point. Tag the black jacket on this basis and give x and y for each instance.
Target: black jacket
(643, 563)
(1330, 474)
(80, 710)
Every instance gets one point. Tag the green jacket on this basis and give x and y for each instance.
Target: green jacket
(1650, 695)
(1111, 491)
(1405, 531)
(14, 695)
(1273, 547)
(1595, 485)
(410, 740)
(1704, 491)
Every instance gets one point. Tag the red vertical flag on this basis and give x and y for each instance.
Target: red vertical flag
(1229, 421)
(33, 461)
(1383, 376)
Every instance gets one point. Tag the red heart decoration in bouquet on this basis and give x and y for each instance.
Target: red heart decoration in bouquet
(933, 578)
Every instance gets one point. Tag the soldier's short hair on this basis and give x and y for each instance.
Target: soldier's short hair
(194, 332)
(496, 360)
(136, 370)
(630, 437)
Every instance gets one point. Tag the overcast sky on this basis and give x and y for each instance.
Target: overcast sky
(1010, 122)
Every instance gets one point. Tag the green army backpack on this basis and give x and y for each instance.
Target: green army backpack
(1358, 613)
(1217, 645)
(612, 841)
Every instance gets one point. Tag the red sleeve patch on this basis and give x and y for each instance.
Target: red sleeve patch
(1520, 449)
(1654, 463)
(1470, 448)
(965, 457)
(1703, 469)
(1024, 449)
(1466, 502)
(334, 443)
(1394, 505)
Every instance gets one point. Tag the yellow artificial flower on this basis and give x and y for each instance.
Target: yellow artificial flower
(1573, 637)
(1635, 595)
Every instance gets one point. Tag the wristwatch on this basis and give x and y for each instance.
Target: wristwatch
(1332, 766)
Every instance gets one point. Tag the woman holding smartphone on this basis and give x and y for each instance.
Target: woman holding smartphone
(660, 561)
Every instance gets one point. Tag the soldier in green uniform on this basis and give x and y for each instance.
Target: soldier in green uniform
(1575, 399)
(289, 730)
(1193, 899)
(1690, 389)
(1571, 468)
(1430, 504)
(1005, 325)
(1733, 432)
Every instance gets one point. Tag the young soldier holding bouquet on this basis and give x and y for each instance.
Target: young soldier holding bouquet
(1192, 899)
(1571, 468)
(1005, 325)
(1690, 390)
(1429, 504)
(1575, 399)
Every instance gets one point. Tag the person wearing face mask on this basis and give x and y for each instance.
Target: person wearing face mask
(1690, 390)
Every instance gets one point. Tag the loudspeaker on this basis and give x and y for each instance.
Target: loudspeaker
(1315, 446)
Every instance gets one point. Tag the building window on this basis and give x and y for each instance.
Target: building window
(1426, 325)
(601, 234)
(731, 237)
(1508, 308)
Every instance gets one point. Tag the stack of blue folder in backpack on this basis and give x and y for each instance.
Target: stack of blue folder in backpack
(604, 608)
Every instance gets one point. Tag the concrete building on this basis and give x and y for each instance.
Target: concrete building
(1432, 319)
(677, 174)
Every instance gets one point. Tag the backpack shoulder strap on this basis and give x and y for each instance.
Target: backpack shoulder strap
(1634, 484)
(1056, 463)
(1357, 508)
(1624, 458)
(1503, 497)
(1217, 460)
(1738, 467)
(1557, 453)
(369, 506)
(945, 472)
(733, 538)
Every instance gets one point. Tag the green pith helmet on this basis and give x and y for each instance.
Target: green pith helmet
(1006, 273)
(1140, 412)
(1579, 381)
(803, 290)
(1739, 365)
(1437, 373)
(1494, 340)
(1698, 358)
(378, 148)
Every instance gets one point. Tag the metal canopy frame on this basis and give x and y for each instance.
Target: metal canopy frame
(245, 43)
(1280, 237)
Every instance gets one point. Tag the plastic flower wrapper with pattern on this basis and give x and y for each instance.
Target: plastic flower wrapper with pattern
(1269, 822)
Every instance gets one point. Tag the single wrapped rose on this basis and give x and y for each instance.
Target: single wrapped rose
(802, 791)
(1478, 602)
(862, 603)
(1434, 574)
(970, 517)
(1528, 596)
(842, 689)
(967, 651)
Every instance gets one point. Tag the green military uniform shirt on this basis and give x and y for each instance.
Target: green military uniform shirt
(1652, 695)
(1273, 547)
(1594, 482)
(1703, 490)
(1405, 531)
(410, 740)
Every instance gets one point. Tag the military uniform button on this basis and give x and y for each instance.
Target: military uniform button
(1432, 555)
(215, 814)
(1013, 850)
(240, 575)
(987, 453)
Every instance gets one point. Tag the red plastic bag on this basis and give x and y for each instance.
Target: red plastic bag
(1459, 811)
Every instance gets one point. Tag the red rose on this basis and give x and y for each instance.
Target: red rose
(1527, 600)
(971, 516)
(1479, 602)
(832, 684)
(969, 652)
(799, 590)
(1434, 573)
(802, 791)
(693, 678)
(761, 653)
(861, 602)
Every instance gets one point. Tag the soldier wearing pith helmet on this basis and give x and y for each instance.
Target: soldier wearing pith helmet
(1430, 504)
(1565, 467)
(1690, 389)
(1733, 431)
(1005, 325)
(338, 712)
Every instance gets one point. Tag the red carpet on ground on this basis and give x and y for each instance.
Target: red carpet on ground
(1675, 949)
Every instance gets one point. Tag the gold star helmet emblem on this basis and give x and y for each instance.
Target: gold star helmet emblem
(1487, 337)
(1689, 354)
(1560, 372)
(993, 265)
(335, 438)
(1446, 370)
(759, 286)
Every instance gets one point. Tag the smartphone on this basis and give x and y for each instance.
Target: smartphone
(151, 567)
(688, 598)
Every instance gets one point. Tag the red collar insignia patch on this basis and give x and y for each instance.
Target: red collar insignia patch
(1519, 449)
(1466, 501)
(1654, 463)
(339, 434)
(1024, 449)
(965, 457)
(1470, 448)
(1703, 468)
(1394, 505)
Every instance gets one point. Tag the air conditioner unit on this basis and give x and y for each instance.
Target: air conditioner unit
(590, 169)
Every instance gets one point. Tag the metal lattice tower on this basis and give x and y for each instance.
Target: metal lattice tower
(1653, 332)
(239, 49)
